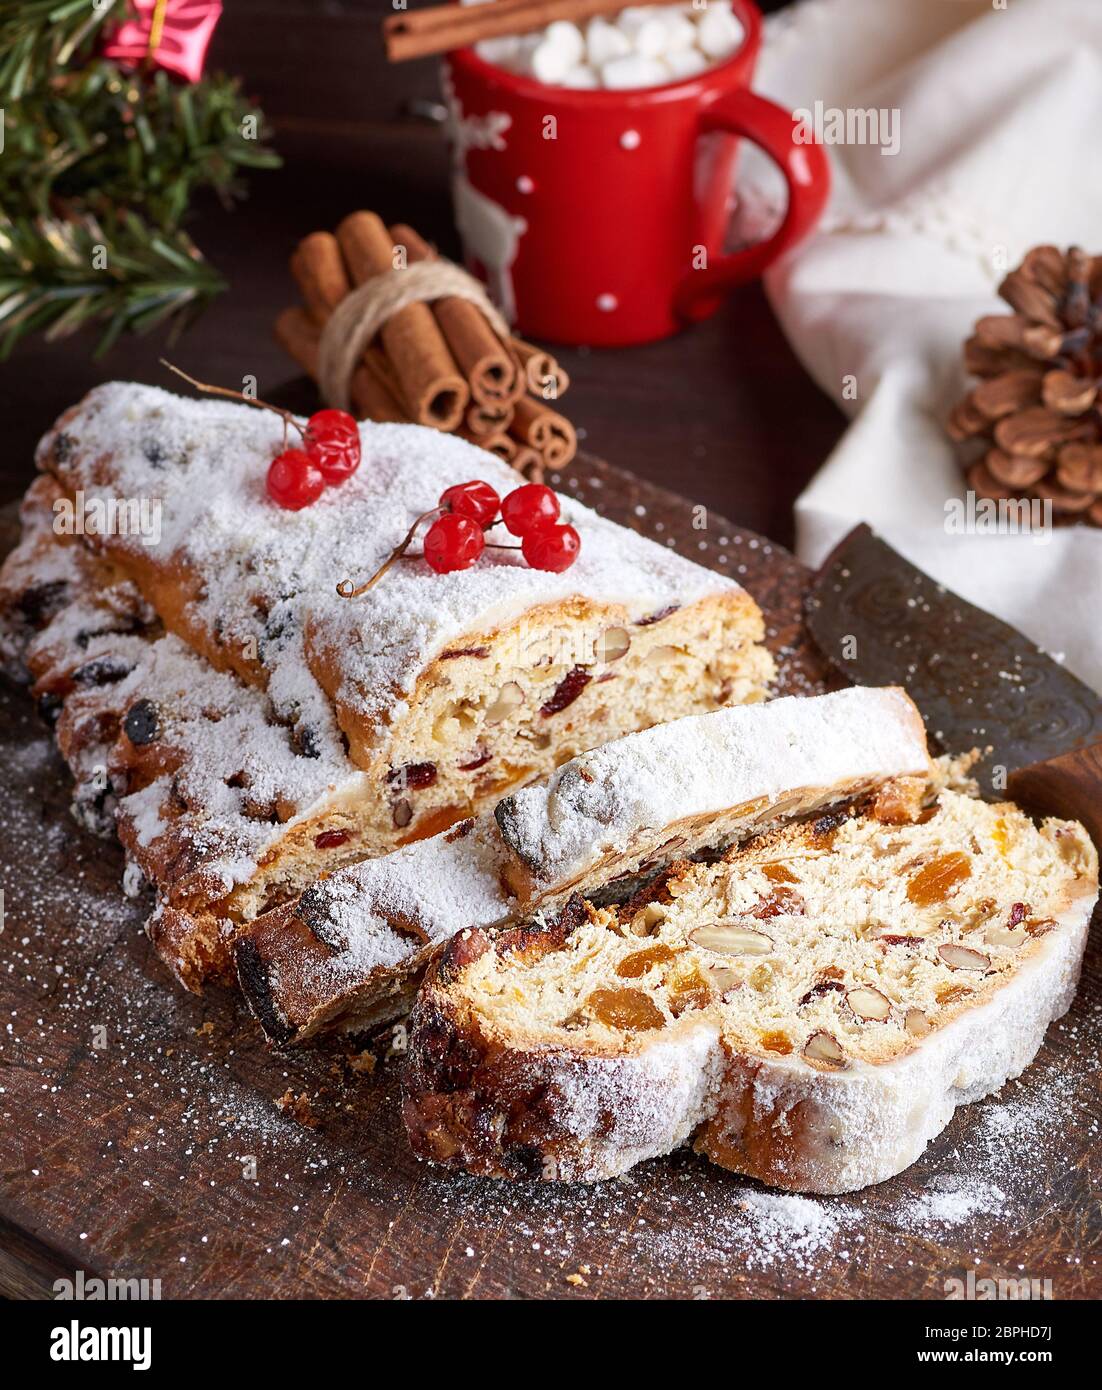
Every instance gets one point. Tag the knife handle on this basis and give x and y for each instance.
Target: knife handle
(1069, 786)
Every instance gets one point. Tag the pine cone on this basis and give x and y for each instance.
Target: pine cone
(1038, 411)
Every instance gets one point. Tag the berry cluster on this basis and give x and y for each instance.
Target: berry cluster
(330, 453)
(456, 539)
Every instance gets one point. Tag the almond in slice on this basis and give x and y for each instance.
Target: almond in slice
(823, 1047)
(612, 644)
(723, 978)
(916, 1023)
(730, 940)
(869, 1004)
(962, 957)
(510, 698)
(1005, 936)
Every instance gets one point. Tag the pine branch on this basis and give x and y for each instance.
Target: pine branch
(37, 37)
(99, 168)
(109, 138)
(57, 276)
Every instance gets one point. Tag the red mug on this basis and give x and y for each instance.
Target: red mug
(598, 217)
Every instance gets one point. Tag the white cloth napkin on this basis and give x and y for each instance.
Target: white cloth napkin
(1000, 129)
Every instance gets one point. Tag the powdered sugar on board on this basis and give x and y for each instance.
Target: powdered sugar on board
(269, 574)
(166, 1121)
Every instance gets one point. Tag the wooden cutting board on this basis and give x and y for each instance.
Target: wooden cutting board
(141, 1135)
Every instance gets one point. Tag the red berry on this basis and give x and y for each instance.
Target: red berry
(528, 507)
(333, 441)
(295, 480)
(551, 547)
(477, 500)
(453, 543)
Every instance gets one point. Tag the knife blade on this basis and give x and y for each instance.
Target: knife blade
(978, 682)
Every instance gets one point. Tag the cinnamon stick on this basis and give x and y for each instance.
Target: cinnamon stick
(488, 419)
(549, 433)
(440, 28)
(529, 463)
(297, 333)
(318, 268)
(426, 374)
(320, 275)
(502, 445)
(545, 377)
(487, 363)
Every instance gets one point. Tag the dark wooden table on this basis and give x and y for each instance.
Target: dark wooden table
(141, 1133)
(724, 413)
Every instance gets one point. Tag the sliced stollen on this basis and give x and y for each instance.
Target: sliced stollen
(215, 750)
(451, 690)
(810, 1009)
(214, 800)
(350, 951)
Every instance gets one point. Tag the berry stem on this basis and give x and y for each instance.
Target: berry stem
(285, 415)
(345, 588)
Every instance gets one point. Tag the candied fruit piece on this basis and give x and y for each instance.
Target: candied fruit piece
(776, 1042)
(777, 873)
(628, 1009)
(631, 967)
(689, 991)
(936, 880)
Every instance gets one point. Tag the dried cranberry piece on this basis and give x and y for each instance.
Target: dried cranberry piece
(413, 776)
(49, 707)
(304, 741)
(1018, 913)
(567, 691)
(43, 601)
(140, 723)
(330, 839)
(652, 618)
(821, 987)
(477, 652)
(480, 761)
(103, 670)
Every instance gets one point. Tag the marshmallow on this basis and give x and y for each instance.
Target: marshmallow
(568, 38)
(505, 52)
(680, 31)
(559, 50)
(718, 32)
(634, 71)
(686, 62)
(642, 46)
(603, 42)
(581, 76)
(645, 29)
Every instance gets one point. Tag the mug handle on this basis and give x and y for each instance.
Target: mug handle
(806, 171)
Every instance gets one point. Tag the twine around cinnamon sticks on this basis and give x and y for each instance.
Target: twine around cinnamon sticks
(395, 333)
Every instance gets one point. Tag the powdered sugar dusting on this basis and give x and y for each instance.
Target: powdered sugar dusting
(270, 575)
(707, 763)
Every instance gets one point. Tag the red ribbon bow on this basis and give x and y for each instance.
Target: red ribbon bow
(174, 34)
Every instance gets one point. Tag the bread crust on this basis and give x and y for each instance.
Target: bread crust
(495, 874)
(481, 1095)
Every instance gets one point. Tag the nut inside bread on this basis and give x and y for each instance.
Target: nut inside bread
(828, 952)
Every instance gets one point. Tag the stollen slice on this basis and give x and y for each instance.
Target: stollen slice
(448, 690)
(809, 1010)
(349, 952)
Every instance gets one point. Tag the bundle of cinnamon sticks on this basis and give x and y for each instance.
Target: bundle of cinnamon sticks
(439, 364)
